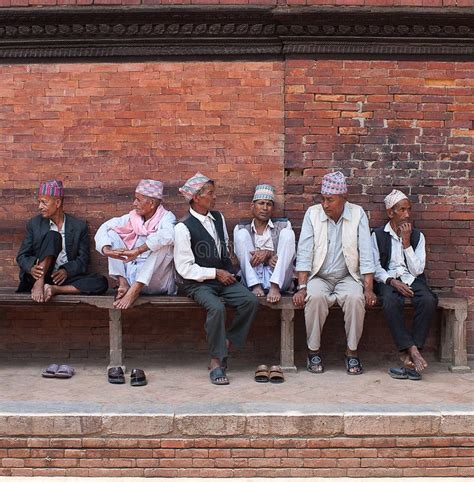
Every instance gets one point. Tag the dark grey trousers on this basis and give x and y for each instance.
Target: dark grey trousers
(424, 303)
(214, 297)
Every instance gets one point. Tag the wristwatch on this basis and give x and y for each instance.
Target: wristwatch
(388, 281)
(300, 287)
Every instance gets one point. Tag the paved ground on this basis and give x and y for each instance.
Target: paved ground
(255, 479)
(184, 387)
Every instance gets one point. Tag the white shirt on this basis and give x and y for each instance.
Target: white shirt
(62, 256)
(184, 260)
(405, 264)
(263, 241)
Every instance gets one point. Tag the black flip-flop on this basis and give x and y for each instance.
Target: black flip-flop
(404, 373)
(137, 378)
(115, 375)
(218, 376)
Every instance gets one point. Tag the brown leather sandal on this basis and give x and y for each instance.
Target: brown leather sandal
(276, 374)
(262, 374)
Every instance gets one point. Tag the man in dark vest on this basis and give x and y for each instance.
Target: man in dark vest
(201, 259)
(265, 247)
(399, 255)
(54, 254)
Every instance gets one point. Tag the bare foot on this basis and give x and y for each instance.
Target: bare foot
(122, 289)
(127, 300)
(274, 295)
(257, 290)
(49, 292)
(406, 360)
(417, 359)
(37, 292)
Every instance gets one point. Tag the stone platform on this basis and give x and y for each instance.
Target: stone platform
(179, 425)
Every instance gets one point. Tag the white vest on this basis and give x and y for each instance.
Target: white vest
(350, 245)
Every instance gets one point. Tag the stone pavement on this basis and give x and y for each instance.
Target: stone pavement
(182, 386)
(253, 479)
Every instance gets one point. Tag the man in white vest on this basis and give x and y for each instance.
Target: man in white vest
(334, 262)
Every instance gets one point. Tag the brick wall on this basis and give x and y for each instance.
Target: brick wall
(417, 456)
(384, 123)
(281, 3)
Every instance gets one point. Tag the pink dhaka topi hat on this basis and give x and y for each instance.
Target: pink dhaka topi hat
(150, 188)
(334, 183)
(52, 188)
(193, 185)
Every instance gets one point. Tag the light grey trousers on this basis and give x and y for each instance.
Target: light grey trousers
(321, 295)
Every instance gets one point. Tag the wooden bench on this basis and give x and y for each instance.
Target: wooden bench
(452, 342)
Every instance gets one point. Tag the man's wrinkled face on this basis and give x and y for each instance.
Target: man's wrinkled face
(333, 205)
(48, 206)
(400, 213)
(144, 206)
(262, 209)
(205, 199)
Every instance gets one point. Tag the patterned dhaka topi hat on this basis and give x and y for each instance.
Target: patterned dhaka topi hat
(264, 191)
(150, 188)
(193, 185)
(52, 188)
(334, 183)
(393, 198)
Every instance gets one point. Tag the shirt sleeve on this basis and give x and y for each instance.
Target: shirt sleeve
(416, 259)
(304, 254)
(366, 256)
(380, 274)
(184, 260)
(164, 235)
(101, 237)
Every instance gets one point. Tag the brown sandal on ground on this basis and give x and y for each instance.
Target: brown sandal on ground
(276, 374)
(262, 374)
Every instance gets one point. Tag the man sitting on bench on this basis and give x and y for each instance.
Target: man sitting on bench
(399, 254)
(265, 248)
(55, 253)
(139, 246)
(201, 258)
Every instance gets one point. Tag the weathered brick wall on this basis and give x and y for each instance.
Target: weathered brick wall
(281, 3)
(101, 127)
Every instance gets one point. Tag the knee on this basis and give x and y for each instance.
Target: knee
(355, 299)
(287, 236)
(216, 309)
(250, 301)
(393, 303)
(427, 301)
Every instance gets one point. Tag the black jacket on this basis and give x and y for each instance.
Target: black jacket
(76, 240)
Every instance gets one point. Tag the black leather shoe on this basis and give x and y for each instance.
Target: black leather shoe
(115, 375)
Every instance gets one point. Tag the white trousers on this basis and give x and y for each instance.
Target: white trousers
(154, 269)
(321, 295)
(282, 274)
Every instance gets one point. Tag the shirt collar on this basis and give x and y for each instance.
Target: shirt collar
(52, 223)
(346, 214)
(269, 225)
(201, 217)
(388, 229)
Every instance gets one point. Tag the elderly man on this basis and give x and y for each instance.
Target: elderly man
(265, 248)
(334, 262)
(139, 246)
(399, 254)
(54, 255)
(202, 260)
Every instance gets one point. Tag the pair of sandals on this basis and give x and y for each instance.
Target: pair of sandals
(274, 374)
(404, 373)
(58, 371)
(116, 375)
(314, 364)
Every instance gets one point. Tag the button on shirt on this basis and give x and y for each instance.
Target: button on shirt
(263, 241)
(62, 256)
(405, 264)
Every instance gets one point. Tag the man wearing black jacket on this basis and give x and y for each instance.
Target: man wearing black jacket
(54, 255)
